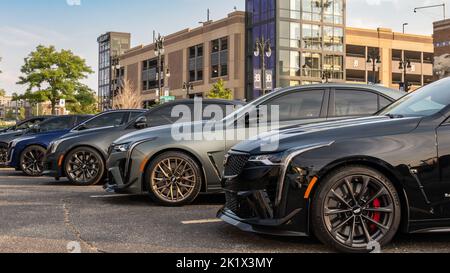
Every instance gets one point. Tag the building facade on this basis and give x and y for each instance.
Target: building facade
(193, 60)
(309, 43)
(386, 50)
(442, 48)
(110, 46)
(307, 38)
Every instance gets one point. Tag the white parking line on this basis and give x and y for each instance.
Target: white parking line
(112, 196)
(203, 221)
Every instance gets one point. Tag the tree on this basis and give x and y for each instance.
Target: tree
(2, 92)
(52, 75)
(85, 101)
(127, 98)
(442, 65)
(219, 91)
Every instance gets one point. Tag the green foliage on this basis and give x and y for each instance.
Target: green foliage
(22, 113)
(52, 75)
(84, 101)
(10, 114)
(219, 91)
(2, 92)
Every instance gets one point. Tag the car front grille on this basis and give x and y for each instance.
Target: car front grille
(232, 202)
(235, 164)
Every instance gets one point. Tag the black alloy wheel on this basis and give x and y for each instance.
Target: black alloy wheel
(173, 179)
(32, 161)
(355, 210)
(84, 167)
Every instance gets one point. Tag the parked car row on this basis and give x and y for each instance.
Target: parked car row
(353, 165)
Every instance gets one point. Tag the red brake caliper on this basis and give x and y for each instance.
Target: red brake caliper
(376, 216)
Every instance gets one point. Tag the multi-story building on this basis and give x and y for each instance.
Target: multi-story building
(195, 59)
(442, 47)
(111, 45)
(307, 39)
(309, 43)
(386, 50)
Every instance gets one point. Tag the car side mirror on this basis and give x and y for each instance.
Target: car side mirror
(140, 123)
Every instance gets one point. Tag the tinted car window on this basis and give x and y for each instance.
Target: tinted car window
(134, 115)
(162, 116)
(107, 120)
(300, 105)
(355, 103)
(56, 124)
(28, 124)
(384, 102)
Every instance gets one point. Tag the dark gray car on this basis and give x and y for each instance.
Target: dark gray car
(80, 155)
(173, 172)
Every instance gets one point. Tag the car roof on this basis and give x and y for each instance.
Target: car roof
(209, 101)
(389, 92)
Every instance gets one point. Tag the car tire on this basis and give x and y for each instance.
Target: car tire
(342, 209)
(3, 154)
(32, 161)
(167, 185)
(84, 167)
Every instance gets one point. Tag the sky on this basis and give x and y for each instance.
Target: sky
(76, 24)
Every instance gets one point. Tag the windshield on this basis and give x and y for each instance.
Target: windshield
(424, 102)
(244, 109)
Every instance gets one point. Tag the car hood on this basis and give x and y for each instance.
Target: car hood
(8, 135)
(152, 132)
(327, 132)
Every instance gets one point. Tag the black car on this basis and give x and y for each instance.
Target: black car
(14, 132)
(354, 183)
(85, 147)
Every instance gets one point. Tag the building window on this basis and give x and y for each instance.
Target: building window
(312, 37)
(312, 10)
(333, 39)
(333, 11)
(196, 63)
(150, 74)
(289, 63)
(219, 58)
(290, 9)
(335, 65)
(311, 64)
(290, 34)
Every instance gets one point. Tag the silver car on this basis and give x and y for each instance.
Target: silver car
(173, 172)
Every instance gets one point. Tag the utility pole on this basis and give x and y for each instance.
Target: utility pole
(159, 51)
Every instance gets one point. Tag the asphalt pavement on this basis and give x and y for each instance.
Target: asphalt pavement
(40, 215)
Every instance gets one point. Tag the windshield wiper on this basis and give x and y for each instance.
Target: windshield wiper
(394, 116)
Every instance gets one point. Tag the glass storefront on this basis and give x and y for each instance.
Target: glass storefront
(308, 37)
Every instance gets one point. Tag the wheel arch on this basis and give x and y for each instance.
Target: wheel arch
(180, 150)
(82, 146)
(378, 165)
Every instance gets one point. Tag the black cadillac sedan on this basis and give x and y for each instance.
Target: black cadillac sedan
(355, 183)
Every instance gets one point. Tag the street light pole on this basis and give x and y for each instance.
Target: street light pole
(115, 67)
(374, 59)
(263, 48)
(404, 25)
(159, 51)
(405, 65)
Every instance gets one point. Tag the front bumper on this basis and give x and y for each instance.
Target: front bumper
(257, 201)
(122, 174)
(51, 166)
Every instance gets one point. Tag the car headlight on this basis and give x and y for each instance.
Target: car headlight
(120, 148)
(268, 159)
(54, 145)
(18, 140)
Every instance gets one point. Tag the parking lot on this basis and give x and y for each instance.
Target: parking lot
(42, 215)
